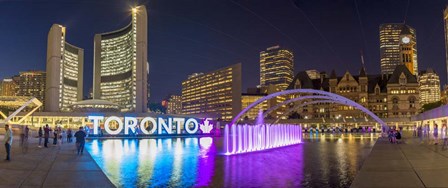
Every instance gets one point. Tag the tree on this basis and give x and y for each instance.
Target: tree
(431, 106)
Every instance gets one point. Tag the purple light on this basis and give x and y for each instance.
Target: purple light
(260, 137)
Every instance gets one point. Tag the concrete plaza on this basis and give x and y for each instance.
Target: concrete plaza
(56, 166)
(408, 164)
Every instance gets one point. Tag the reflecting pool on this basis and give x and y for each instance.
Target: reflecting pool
(320, 161)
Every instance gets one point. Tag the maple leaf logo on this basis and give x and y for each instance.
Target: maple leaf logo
(206, 127)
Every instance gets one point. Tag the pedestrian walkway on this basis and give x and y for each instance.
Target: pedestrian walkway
(409, 164)
(56, 166)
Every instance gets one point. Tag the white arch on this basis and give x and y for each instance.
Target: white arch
(333, 96)
(265, 114)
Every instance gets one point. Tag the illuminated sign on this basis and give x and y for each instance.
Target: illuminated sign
(206, 127)
(131, 124)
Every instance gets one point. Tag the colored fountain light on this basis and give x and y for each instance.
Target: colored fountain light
(250, 138)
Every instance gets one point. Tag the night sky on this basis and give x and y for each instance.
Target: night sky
(187, 36)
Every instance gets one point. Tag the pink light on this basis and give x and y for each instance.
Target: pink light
(260, 137)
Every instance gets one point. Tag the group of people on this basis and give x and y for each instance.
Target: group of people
(424, 131)
(340, 130)
(58, 135)
(394, 135)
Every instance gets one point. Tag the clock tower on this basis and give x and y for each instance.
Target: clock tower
(407, 56)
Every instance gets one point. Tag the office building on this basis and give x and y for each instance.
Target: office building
(32, 83)
(65, 62)
(174, 105)
(397, 39)
(445, 22)
(249, 98)
(121, 64)
(8, 87)
(276, 67)
(216, 93)
(429, 87)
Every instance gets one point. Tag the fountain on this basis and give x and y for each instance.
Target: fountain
(250, 138)
(260, 119)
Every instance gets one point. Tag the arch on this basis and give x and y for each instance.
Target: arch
(303, 104)
(395, 100)
(333, 96)
(265, 114)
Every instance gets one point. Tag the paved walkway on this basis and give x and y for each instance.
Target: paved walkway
(410, 164)
(56, 166)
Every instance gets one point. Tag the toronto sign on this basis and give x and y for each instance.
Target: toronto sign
(150, 125)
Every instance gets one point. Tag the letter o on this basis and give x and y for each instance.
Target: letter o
(120, 125)
(187, 128)
(143, 128)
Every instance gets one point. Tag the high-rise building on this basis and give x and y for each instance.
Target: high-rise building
(32, 83)
(444, 95)
(174, 105)
(121, 64)
(8, 87)
(393, 38)
(217, 93)
(407, 54)
(276, 67)
(249, 98)
(429, 86)
(445, 21)
(65, 62)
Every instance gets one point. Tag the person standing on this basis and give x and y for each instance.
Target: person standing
(22, 135)
(27, 133)
(46, 135)
(25, 139)
(444, 136)
(40, 133)
(414, 132)
(436, 134)
(8, 142)
(69, 135)
(419, 133)
(63, 136)
(55, 136)
(80, 136)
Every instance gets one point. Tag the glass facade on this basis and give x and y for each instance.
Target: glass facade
(247, 99)
(64, 81)
(118, 67)
(8, 87)
(429, 86)
(32, 83)
(174, 105)
(217, 92)
(121, 66)
(70, 69)
(276, 67)
(445, 22)
(390, 47)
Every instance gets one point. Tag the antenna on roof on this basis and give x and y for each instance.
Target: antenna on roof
(406, 12)
(362, 60)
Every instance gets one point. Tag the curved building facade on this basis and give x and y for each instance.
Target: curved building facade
(64, 81)
(121, 65)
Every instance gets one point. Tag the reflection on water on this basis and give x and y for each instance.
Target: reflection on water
(322, 161)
